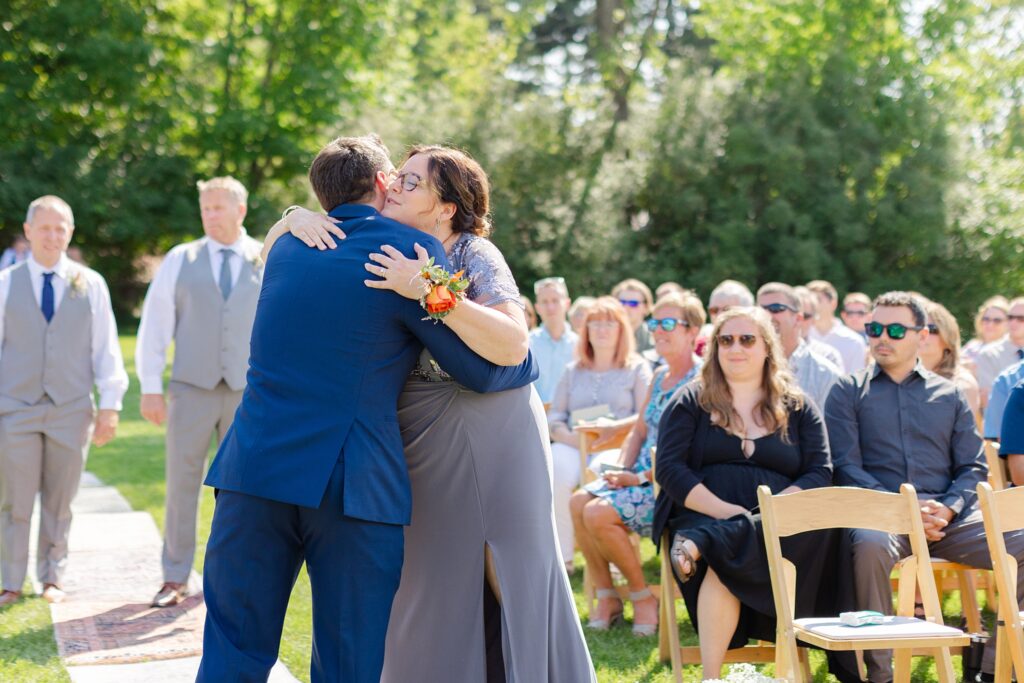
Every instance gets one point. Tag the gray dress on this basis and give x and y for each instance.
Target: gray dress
(480, 467)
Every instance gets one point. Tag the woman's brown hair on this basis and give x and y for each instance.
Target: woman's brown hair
(781, 392)
(458, 179)
(949, 335)
(607, 308)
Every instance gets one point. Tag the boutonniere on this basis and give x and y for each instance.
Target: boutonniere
(76, 283)
(256, 262)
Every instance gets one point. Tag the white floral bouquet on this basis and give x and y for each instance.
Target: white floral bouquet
(744, 673)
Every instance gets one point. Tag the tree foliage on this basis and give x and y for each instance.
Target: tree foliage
(872, 143)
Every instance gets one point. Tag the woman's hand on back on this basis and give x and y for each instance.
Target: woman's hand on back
(398, 273)
(314, 229)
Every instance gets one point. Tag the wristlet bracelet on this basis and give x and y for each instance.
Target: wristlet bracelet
(293, 207)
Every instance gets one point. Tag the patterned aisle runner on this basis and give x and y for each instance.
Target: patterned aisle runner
(112, 573)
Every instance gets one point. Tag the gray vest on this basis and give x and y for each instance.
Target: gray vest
(39, 360)
(211, 336)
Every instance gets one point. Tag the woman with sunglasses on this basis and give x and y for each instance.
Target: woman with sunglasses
(990, 325)
(743, 424)
(940, 353)
(482, 588)
(602, 389)
(605, 511)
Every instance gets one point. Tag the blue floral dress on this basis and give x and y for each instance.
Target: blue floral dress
(635, 504)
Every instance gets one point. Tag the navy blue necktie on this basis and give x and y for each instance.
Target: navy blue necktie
(47, 303)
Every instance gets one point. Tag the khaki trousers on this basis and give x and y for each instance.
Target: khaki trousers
(42, 450)
(194, 416)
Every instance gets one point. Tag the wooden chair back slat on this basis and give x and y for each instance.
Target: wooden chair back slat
(839, 507)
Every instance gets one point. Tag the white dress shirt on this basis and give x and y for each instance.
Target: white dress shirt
(850, 345)
(159, 315)
(108, 371)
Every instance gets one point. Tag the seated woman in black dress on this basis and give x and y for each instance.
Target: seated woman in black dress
(743, 424)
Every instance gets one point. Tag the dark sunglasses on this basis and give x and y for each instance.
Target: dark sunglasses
(778, 308)
(896, 331)
(667, 324)
(932, 328)
(747, 341)
(632, 303)
(1015, 318)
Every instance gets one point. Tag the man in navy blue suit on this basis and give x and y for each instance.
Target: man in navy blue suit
(312, 469)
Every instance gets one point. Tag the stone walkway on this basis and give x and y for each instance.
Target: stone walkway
(106, 631)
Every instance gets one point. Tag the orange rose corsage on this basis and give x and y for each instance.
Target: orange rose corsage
(445, 291)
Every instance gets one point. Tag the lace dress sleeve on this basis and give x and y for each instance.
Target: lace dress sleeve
(490, 279)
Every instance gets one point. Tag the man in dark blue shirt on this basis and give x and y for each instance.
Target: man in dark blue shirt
(896, 422)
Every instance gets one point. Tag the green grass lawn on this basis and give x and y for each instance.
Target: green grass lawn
(134, 463)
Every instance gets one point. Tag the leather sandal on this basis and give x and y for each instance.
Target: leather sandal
(643, 630)
(614, 618)
(679, 554)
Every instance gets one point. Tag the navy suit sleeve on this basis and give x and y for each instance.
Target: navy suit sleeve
(457, 359)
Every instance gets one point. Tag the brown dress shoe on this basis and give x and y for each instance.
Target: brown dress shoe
(9, 597)
(52, 594)
(170, 594)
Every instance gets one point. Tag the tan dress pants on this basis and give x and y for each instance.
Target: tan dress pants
(194, 416)
(43, 448)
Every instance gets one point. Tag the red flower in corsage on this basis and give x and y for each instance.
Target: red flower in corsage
(445, 292)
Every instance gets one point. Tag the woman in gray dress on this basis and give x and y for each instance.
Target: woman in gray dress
(482, 529)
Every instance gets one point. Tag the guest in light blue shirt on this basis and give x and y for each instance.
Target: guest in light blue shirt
(553, 343)
(998, 396)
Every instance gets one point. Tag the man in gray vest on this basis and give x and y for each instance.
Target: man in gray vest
(204, 298)
(58, 338)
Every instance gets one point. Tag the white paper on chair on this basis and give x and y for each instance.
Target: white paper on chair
(894, 627)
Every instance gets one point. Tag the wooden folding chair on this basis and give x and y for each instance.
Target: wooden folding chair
(998, 474)
(853, 508)
(1003, 511)
(669, 649)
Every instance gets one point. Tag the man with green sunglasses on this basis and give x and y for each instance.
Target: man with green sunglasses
(897, 422)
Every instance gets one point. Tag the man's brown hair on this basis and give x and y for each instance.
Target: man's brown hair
(345, 170)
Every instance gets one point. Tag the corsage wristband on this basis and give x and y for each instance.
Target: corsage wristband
(445, 291)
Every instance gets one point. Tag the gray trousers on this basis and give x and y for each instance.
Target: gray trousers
(42, 450)
(194, 416)
(875, 553)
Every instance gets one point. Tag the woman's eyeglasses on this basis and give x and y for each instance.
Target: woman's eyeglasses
(747, 341)
(602, 324)
(992, 321)
(631, 303)
(408, 181)
(854, 312)
(932, 328)
(1015, 318)
(667, 324)
(895, 331)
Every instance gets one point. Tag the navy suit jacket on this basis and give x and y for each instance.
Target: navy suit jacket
(328, 359)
